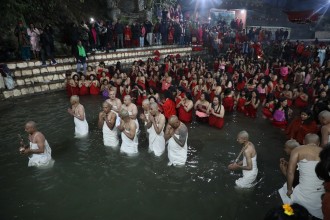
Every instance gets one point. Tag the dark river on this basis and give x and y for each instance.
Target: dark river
(90, 181)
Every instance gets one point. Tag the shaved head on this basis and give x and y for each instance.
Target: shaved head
(31, 124)
(74, 98)
(312, 139)
(292, 143)
(124, 113)
(244, 135)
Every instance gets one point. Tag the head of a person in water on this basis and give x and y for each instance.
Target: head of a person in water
(287, 212)
(324, 117)
(290, 145)
(124, 114)
(30, 127)
(106, 106)
(312, 139)
(243, 137)
(74, 100)
(153, 108)
(112, 94)
(174, 121)
(146, 104)
(127, 100)
(322, 169)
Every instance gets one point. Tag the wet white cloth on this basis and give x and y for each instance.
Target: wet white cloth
(129, 146)
(249, 176)
(110, 137)
(156, 141)
(81, 127)
(177, 155)
(41, 160)
(309, 190)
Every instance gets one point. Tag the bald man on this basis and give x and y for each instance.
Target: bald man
(107, 121)
(249, 163)
(77, 111)
(132, 110)
(127, 127)
(155, 125)
(39, 151)
(310, 188)
(146, 111)
(176, 133)
(324, 118)
(115, 102)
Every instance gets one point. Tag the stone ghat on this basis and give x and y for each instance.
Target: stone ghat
(31, 78)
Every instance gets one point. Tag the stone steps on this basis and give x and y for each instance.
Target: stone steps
(32, 78)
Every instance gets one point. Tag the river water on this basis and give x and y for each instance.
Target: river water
(90, 181)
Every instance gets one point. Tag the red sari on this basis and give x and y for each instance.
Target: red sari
(94, 89)
(228, 103)
(267, 112)
(299, 103)
(184, 116)
(241, 105)
(84, 90)
(297, 129)
(169, 108)
(215, 121)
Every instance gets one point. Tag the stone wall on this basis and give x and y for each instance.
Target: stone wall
(31, 78)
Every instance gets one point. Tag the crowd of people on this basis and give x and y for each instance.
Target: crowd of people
(290, 91)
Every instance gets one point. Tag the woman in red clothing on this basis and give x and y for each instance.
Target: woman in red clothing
(269, 106)
(241, 99)
(288, 94)
(94, 88)
(301, 98)
(216, 113)
(200, 107)
(251, 105)
(185, 108)
(141, 80)
(169, 105)
(74, 84)
(184, 83)
(199, 89)
(228, 100)
(301, 126)
(83, 86)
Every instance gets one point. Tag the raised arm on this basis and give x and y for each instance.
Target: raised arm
(182, 131)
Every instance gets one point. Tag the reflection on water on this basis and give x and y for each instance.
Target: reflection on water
(95, 182)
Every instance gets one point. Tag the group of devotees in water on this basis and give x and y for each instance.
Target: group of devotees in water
(120, 126)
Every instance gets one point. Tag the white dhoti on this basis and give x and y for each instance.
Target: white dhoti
(309, 190)
(249, 176)
(177, 155)
(129, 146)
(156, 141)
(81, 127)
(41, 160)
(110, 137)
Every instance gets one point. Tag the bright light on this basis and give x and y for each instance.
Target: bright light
(243, 11)
(92, 20)
(209, 18)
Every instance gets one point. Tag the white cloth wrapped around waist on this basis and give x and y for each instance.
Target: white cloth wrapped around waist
(110, 137)
(177, 155)
(129, 146)
(41, 160)
(249, 176)
(81, 127)
(156, 141)
(309, 190)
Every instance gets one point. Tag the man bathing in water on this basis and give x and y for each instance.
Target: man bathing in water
(107, 121)
(127, 127)
(132, 110)
(78, 112)
(249, 163)
(176, 133)
(115, 102)
(39, 151)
